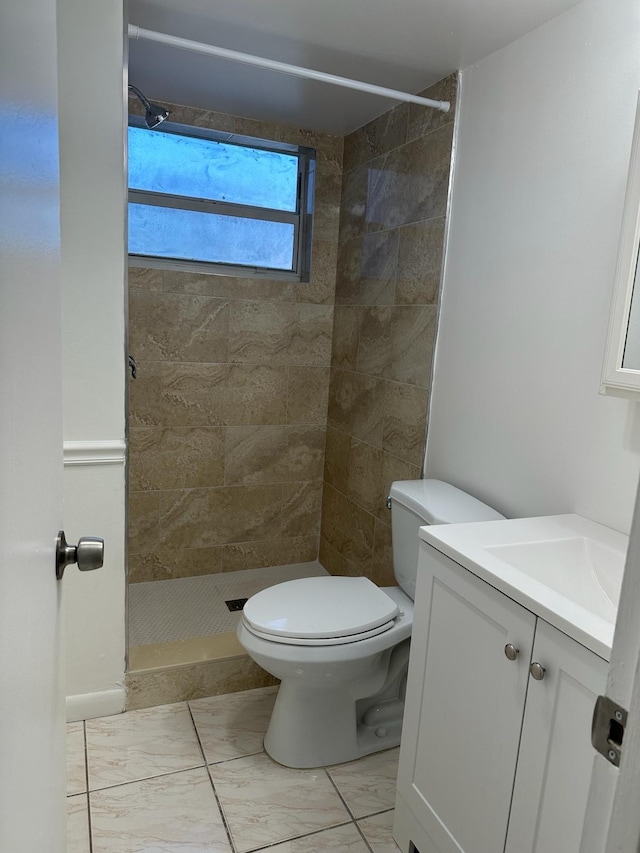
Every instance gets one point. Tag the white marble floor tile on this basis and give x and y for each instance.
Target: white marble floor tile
(76, 769)
(233, 725)
(140, 744)
(377, 831)
(77, 824)
(368, 785)
(340, 839)
(265, 803)
(169, 814)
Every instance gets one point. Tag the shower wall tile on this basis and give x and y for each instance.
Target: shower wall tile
(143, 278)
(144, 521)
(270, 552)
(301, 507)
(178, 327)
(404, 421)
(145, 395)
(397, 343)
(356, 405)
(420, 262)
(381, 135)
(165, 564)
(201, 518)
(337, 457)
(423, 120)
(273, 454)
(229, 411)
(392, 225)
(291, 334)
(382, 571)
(307, 395)
(347, 528)
(217, 394)
(176, 458)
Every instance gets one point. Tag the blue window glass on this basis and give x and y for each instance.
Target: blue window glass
(204, 168)
(194, 199)
(192, 236)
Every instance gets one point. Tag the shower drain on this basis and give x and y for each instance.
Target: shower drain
(236, 603)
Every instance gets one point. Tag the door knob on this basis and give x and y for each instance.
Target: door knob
(88, 554)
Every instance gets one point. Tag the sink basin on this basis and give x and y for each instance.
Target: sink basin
(564, 568)
(581, 569)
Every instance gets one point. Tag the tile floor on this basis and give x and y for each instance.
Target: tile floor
(194, 777)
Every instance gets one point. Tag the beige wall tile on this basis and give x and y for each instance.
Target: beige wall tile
(142, 278)
(382, 565)
(383, 134)
(326, 209)
(420, 262)
(207, 395)
(320, 289)
(273, 454)
(307, 395)
(269, 552)
(347, 527)
(356, 404)
(397, 343)
(330, 558)
(228, 287)
(404, 421)
(337, 457)
(144, 516)
(167, 565)
(353, 208)
(201, 518)
(371, 472)
(367, 266)
(301, 507)
(145, 395)
(291, 334)
(178, 327)
(175, 458)
(423, 120)
(346, 328)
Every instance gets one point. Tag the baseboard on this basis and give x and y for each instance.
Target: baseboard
(85, 706)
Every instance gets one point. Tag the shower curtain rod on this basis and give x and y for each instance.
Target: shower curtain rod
(136, 32)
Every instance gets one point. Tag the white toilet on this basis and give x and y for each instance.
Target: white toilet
(340, 645)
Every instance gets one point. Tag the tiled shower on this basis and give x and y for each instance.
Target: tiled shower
(268, 418)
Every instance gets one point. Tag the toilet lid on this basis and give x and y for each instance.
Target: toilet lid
(320, 608)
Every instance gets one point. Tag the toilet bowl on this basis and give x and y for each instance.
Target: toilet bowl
(340, 645)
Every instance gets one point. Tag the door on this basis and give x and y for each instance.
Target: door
(32, 777)
(554, 763)
(464, 708)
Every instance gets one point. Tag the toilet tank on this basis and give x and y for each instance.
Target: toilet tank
(415, 503)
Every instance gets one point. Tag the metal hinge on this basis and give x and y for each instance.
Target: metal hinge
(607, 729)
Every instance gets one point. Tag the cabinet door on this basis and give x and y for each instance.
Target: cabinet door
(463, 712)
(556, 756)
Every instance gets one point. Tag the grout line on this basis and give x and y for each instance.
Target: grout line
(86, 775)
(362, 835)
(272, 844)
(213, 787)
(344, 802)
(146, 778)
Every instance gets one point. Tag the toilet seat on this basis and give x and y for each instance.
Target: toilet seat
(320, 611)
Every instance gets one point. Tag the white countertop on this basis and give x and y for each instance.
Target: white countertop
(564, 568)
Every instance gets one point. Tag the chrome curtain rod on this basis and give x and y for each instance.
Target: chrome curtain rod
(284, 67)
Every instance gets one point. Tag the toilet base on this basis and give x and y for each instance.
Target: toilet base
(318, 727)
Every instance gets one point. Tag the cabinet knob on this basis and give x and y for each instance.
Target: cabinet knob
(511, 652)
(537, 671)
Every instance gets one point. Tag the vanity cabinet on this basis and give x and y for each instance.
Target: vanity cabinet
(492, 759)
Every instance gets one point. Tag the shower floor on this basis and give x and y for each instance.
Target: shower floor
(176, 616)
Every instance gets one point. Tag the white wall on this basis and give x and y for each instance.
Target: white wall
(92, 122)
(542, 155)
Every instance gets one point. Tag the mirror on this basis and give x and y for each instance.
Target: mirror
(621, 373)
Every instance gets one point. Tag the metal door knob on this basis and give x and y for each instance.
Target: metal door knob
(511, 652)
(537, 671)
(88, 554)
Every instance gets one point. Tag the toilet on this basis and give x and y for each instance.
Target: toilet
(340, 645)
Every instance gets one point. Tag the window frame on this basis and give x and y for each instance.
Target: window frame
(301, 218)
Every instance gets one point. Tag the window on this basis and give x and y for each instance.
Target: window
(235, 205)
